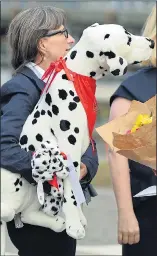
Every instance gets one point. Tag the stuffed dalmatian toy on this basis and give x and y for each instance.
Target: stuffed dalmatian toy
(59, 123)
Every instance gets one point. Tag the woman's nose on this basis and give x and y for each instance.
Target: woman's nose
(71, 40)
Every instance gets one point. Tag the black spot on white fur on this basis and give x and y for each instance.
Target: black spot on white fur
(125, 70)
(31, 148)
(55, 110)
(115, 72)
(126, 32)
(73, 55)
(20, 183)
(76, 130)
(24, 140)
(16, 182)
(110, 54)
(90, 54)
(52, 131)
(39, 137)
(72, 139)
(129, 40)
(64, 76)
(37, 114)
(72, 106)
(54, 209)
(48, 99)
(76, 99)
(34, 121)
(75, 164)
(120, 60)
(64, 125)
(62, 94)
(49, 113)
(136, 62)
(75, 203)
(106, 36)
(43, 112)
(71, 93)
(92, 73)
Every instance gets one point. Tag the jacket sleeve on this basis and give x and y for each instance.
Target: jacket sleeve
(90, 159)
(18, 105)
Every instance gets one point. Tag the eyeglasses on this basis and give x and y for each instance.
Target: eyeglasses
(64, 32)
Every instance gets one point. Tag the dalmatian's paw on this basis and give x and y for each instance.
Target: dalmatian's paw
(58, 224)
(52, 206)
(75, 229)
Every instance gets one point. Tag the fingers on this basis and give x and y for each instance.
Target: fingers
(83, 171)
(120, 238)
(137, 237)
(131, 237)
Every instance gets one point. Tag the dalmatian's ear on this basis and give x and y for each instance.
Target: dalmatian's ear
(117, 64)
(95, 25)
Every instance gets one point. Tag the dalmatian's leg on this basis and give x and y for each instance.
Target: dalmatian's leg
(74, 227)
(32, 215)
(7, 211)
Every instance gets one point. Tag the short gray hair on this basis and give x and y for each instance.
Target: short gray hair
(27, 28)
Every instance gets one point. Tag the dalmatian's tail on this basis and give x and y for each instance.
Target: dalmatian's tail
(3, 238)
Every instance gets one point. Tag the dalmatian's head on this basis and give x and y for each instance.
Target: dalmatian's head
(108, 48)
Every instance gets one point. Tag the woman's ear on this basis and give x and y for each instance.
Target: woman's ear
(42, 46)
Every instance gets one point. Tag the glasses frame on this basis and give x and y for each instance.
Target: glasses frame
(63, 31)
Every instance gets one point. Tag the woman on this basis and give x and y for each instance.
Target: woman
(137, 219)
(39, 36)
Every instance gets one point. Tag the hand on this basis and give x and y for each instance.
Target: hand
(128, 229)
(155, 172)
(83, 171)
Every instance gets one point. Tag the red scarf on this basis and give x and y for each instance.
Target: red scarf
(85, 88)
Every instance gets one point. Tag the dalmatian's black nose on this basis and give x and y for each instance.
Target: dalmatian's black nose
(152, 45)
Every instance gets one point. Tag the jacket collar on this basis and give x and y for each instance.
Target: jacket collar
(31, 75)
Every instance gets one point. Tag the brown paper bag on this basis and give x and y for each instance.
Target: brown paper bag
(139, 146)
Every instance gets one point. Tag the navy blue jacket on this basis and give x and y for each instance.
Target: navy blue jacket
(140, 86)
(18, 98)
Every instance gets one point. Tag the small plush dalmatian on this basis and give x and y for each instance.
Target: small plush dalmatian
(60, 118)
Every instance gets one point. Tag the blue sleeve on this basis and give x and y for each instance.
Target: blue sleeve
(140, 86)
(90, 159)
(15, 110)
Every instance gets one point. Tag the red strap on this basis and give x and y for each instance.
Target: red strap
(54, 182)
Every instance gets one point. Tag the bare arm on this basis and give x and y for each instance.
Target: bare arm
(128, 230)
(119, 164)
